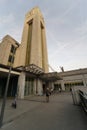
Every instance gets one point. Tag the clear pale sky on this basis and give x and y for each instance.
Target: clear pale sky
(66, 28)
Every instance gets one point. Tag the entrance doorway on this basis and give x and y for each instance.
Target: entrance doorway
(44, 88)
(28, 86)
(57, 87)
(12, 88)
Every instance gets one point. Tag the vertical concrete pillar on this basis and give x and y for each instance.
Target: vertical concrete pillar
(62, 85)
(84, 80)
(36, 56)
(51, 85)
(39, 87)
(23, 45)
(45, 58)
(34, 89)
(21, 85)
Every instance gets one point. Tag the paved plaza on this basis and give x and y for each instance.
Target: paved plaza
(35, 114)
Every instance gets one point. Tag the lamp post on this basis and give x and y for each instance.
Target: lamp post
(6, 89)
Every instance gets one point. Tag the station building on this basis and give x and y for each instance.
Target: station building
(29, 61)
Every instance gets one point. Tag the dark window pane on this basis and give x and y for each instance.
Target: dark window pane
(11, 59)
(13, 49)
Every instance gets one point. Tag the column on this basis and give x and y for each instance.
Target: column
(34, 89)
(39, 87)
(62, 85)
(21, 85)
(45, 56)
(84, 80)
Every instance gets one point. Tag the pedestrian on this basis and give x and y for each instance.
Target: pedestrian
(47, 94)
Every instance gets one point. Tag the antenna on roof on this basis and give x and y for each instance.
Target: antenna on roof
(62, 69)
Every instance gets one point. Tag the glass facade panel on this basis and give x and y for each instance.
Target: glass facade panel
(28, 87)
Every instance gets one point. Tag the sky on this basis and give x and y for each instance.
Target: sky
(66, 28)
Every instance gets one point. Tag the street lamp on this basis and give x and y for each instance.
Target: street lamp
(6, 89)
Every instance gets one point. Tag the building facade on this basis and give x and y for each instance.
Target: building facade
(8, 46)
(29, 61)
(72, 78)
(30, 55)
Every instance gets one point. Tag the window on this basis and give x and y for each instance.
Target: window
(13, 49)
(11, 59)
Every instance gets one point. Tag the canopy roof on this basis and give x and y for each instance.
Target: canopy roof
(37, 71)
(53, 76)
(31, 69)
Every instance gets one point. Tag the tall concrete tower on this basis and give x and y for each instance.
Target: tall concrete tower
(33, 49)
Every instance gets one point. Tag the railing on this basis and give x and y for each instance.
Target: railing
(83, 99)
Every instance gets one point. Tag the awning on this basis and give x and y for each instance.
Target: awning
(31, 69)
(53, 76)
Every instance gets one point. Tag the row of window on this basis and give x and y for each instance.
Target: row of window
(69, 85)
(74, 84)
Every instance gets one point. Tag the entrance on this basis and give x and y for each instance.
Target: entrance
(44, 88)
(12, 88)
(28, 86)
(57, 87)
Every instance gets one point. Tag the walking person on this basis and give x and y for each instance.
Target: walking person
(47, 94)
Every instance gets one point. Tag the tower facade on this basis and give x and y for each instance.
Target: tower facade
(33, 49)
